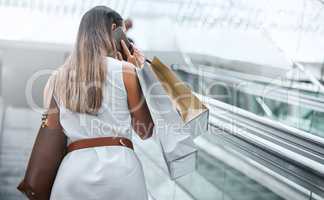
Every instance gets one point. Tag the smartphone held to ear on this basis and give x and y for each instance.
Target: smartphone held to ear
(119, 35)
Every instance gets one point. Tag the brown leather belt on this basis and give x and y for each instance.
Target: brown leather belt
(99, 142)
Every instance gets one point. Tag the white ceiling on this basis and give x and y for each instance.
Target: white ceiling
(294, 26)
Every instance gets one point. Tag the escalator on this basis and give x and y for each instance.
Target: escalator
(248, 153)
(292, 152)
(244, 156)
(297, 104)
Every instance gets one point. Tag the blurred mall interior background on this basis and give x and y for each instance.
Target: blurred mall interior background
(257, 64)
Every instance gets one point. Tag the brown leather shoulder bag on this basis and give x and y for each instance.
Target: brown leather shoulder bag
(48, 152)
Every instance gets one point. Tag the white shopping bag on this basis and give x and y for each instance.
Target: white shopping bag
(179, 116)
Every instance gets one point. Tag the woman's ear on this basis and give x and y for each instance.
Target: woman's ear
(113, 26)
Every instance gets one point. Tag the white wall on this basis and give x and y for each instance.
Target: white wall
(20, 65)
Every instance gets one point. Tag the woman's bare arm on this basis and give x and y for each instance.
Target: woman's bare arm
(141, 118)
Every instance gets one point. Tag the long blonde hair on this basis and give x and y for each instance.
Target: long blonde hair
(80, 82)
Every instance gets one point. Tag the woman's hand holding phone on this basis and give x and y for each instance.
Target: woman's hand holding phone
(137, 58)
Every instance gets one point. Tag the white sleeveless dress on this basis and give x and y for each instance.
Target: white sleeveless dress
(101, 173)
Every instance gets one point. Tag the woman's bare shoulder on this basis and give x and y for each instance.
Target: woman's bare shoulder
(49, 88)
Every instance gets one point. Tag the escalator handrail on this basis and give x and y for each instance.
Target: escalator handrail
(304, 147)
(276, 149)
(269, 122)
(252, 88)
(262, 79)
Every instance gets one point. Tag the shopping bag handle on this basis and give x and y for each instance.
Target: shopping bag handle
(148, 60)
